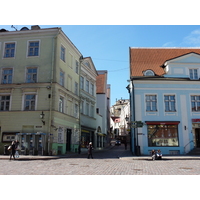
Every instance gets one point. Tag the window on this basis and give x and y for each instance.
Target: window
(62, 53)
(76, 69)
(87, 109)
(92, 89)
(195, 103)
(33, 48)
(70, 61)
(76, 111)
(7, 76)
(5, 103)
(76, 88)
(82, 83)
(87, 86)
(82, 107)
(62, 75)
(162, 135)
(149, 73)
(9, 50)
(61, 104)
(29, 102)
(151, 103)
(193, 74)
(169, 103)
(92, 111)
(31, 75)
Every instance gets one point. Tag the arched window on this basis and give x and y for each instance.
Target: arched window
(149, 73)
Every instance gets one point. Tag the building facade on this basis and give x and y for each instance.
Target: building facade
(88, 102)
(103, 109)
(39, 90)
(165, 98)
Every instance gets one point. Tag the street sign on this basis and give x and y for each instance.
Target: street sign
(137, 124)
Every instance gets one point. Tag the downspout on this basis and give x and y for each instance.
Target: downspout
(51, 89)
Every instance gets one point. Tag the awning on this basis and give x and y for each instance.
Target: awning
(101, 134)
(162, 122)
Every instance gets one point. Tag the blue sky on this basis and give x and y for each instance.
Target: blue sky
(108, 45)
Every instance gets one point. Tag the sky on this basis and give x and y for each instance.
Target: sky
(108, 46)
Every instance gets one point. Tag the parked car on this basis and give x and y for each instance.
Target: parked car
(113, 142)
(118, 142)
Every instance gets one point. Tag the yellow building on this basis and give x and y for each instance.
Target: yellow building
(39, 91)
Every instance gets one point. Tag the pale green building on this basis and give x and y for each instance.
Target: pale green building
(39, 91)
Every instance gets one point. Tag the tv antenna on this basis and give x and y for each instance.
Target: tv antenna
(13, 27)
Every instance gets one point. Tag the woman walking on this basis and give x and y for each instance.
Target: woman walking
(90, 148)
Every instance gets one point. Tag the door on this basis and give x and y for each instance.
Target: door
(68, 142)
(197, 135)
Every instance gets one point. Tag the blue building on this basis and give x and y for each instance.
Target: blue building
(165, 100)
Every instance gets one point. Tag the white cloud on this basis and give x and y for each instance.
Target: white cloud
(193, 39)
(169, 44)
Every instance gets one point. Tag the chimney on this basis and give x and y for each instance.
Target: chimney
(35, 27)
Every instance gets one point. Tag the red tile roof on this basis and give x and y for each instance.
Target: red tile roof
(142, 59)
(100, 84)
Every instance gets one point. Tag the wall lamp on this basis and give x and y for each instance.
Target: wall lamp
(42, 117)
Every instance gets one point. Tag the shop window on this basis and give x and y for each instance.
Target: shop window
(162, 135)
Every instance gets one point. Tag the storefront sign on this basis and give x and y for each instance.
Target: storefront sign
(196, 120)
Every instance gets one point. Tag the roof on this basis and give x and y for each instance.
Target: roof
(101, 84)
(142, 59)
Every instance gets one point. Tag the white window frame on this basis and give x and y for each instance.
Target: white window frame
(87, 86)
(63, 104)
(76, 67)
(82, 82)
(196, 102)
(62, 78)
(6, 94)
(76, 110)
(2, 75)
(87, 110)
(170, 102)
(151, 102)
(76, 88)
(92, 89)
(28, 44)
(193, 73)
(9, 42)
(27, 68)
(82, 106)
(24, 99)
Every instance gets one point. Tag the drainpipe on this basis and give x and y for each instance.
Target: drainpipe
(51, 88)
(79, 146)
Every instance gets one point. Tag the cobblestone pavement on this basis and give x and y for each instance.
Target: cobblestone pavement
(105, 162)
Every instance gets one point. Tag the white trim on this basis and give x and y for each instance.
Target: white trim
(23, 99)
(7, 42)
(27, 48)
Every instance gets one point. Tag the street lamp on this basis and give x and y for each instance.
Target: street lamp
(42, 117)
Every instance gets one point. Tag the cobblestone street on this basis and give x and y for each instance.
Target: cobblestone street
(105, 162)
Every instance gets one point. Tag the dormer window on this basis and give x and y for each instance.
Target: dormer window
(193, 74)
(149, 73)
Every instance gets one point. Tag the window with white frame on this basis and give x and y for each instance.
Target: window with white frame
(76, 88)
(29, 102)
(62, 77)
(169, 103)
(33, 48)
(4, 102)
(193, 74)
(151, 103)
(31, 75)
(195, 103)
(87, 86)
(9, 50)
(82, 83)
(61, 104)
(7, 76)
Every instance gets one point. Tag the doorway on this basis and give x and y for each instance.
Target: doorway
(68, 142)
(197, 135)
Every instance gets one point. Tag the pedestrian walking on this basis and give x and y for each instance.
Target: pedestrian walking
(13, 150)
(90, 148)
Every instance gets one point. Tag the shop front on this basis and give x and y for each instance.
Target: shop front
(32, 143)
(87, 136)
(196, 132)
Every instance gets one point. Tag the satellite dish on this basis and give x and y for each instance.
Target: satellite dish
(24, 29)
